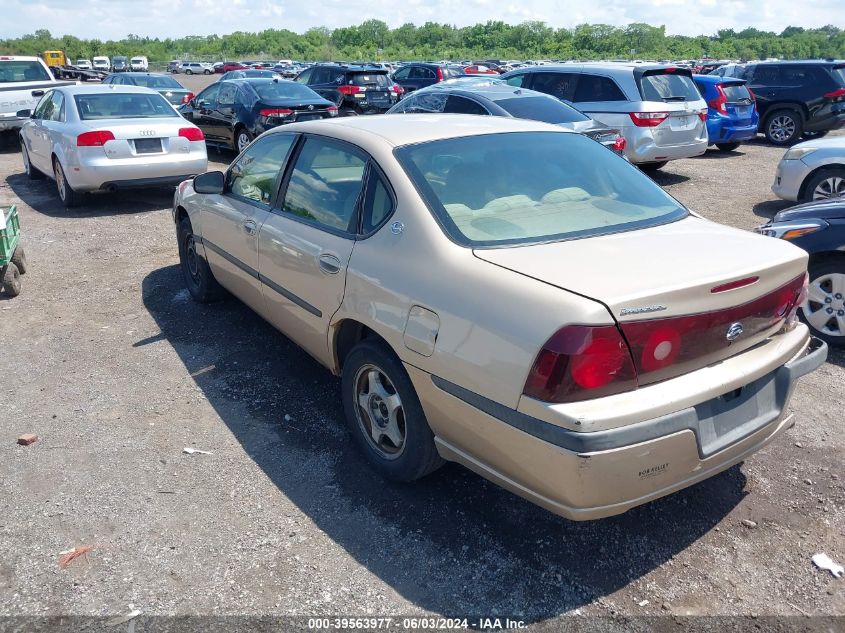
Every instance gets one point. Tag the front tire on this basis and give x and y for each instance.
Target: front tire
(67, 195)
(727, 147)
(206, 72)
(198, 277)
(784, 127)
(824, 310)
(384, 414)
(12, 280)
(189, 72)
(825, 184)
(31, 172)
(242, 139)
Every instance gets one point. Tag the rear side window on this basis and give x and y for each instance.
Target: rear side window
(662, 86)
(420, 72)
(559, 85)
(598, 88)
(11, 71)
(541, 109)
(516, 81)
(462, 105)
(838, 73)
(767, 74)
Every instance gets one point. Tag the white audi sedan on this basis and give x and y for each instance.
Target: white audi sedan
(104, 138)
(561, 325)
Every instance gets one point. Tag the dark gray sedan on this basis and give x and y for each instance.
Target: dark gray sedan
(165, 85)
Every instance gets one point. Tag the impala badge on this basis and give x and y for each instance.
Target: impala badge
(642, 310)
(734, 331)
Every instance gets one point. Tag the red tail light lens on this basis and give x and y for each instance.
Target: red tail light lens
(836, 94)
(332, 110)
(187, 98)
(439, 74)
(718, 104)
(619, 144)
(349, 90)
(580, 362)
(702, 114)
(751, 94)
(648, 119)
(275, 112)
(192, 133)
(397, 89)
(94, 139)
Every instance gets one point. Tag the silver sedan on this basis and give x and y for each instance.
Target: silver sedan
(812, 170)
(95, 138)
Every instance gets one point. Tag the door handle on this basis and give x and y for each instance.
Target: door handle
(249, 226)
(329, 264)
(37, 93)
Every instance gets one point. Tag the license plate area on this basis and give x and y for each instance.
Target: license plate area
(308, 117)
(147, 145)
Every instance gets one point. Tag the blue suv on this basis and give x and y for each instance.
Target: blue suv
(731, 110)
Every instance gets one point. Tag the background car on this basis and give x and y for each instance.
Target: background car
(656, 108)
(233, 112)
(505, 101)
(165, 85)
(812, 170)
(101, 63)
(226, 67)
(139, 64)
(119, 64)
(84, 64)
(731, 112)
(250, 73)
(195, 68)
(480, 69)
(354, 89)
(173, 66)
(795, 98)
(421, 75)
(91, 138)
(819, 228)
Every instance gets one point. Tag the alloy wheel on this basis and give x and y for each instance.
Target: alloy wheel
(833, 187)
(61, 183)
(243, 141)
(379, 411)
(25, 156)
(825, 305)
(782, 128)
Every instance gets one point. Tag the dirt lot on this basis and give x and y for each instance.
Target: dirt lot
(107, 359)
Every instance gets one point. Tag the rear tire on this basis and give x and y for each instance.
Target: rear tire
(653, 166)
(67, 195)
(198, 277)
(19, 260)
(242, 139)
(783, 127)
(727, 147)
(12, 280)
(379, 400)
(824, 309)
(825, 184)
(31, 171)
(206, 72)
(189, 72)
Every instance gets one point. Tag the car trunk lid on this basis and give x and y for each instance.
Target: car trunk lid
(140, 139)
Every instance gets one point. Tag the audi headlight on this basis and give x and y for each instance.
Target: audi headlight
(797, 153)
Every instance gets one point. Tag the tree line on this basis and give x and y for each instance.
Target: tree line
(374, 40)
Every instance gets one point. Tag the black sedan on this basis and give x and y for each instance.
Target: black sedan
(494, 98)
(819, 228)
(233, 112)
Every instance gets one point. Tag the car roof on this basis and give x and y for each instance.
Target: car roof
(85, 89)
(494, 92)
(717, 79)
(408, 129)
(18, 58)
(137, 73)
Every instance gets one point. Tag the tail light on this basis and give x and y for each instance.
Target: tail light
(836, 94)
(349, 90)
(397, 89)
(580, 362)
(192, 133)
(94, 139)
(188, 97)
(751, 94)
(332, 110)
(792, 317)
(718, 104)
(648, 119)
(275, 112)
(702, 114)
(619, 143)
(439, 74)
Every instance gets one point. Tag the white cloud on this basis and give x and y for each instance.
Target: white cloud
(112, 19)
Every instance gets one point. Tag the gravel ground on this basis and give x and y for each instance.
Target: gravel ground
(111, 364)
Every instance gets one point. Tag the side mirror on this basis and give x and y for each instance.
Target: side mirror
(210, 182)
(24, 114)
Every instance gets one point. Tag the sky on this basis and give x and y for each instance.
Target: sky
(114, 19)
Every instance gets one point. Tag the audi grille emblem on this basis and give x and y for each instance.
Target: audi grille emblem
(148, 132)
(734, 331)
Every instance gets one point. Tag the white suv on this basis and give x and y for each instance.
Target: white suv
(195, 68)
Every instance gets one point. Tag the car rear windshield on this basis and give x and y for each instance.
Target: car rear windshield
(124, 105)
(526, 187)
(284, 90)
(368, 79)
(668, 86)
(157, 82)
(736, 93)
(546, 109)
(838, 73)
(11, 71)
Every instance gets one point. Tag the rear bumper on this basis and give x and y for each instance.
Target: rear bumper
(643, 149)
(724, 132)
(824, 121)
(589, 475)
(163, 170)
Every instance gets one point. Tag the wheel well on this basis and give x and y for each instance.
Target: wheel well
(349, 333)
(181, 213)
(812, 175)
(795, 107)
(826, 256)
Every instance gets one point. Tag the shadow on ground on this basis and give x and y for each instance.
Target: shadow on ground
(451, 543)
(41, 196)
(770, 208)
(665, 178)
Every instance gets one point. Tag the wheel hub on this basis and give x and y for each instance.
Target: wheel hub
(379, 411)
(825, 306)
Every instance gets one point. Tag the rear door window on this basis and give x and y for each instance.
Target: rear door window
(539, 108)
(767, 75)
(462, 105)
(665, 86)
(378, 202)
(598, 88)
(428, 102)
(227, 94)
(560, 85)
